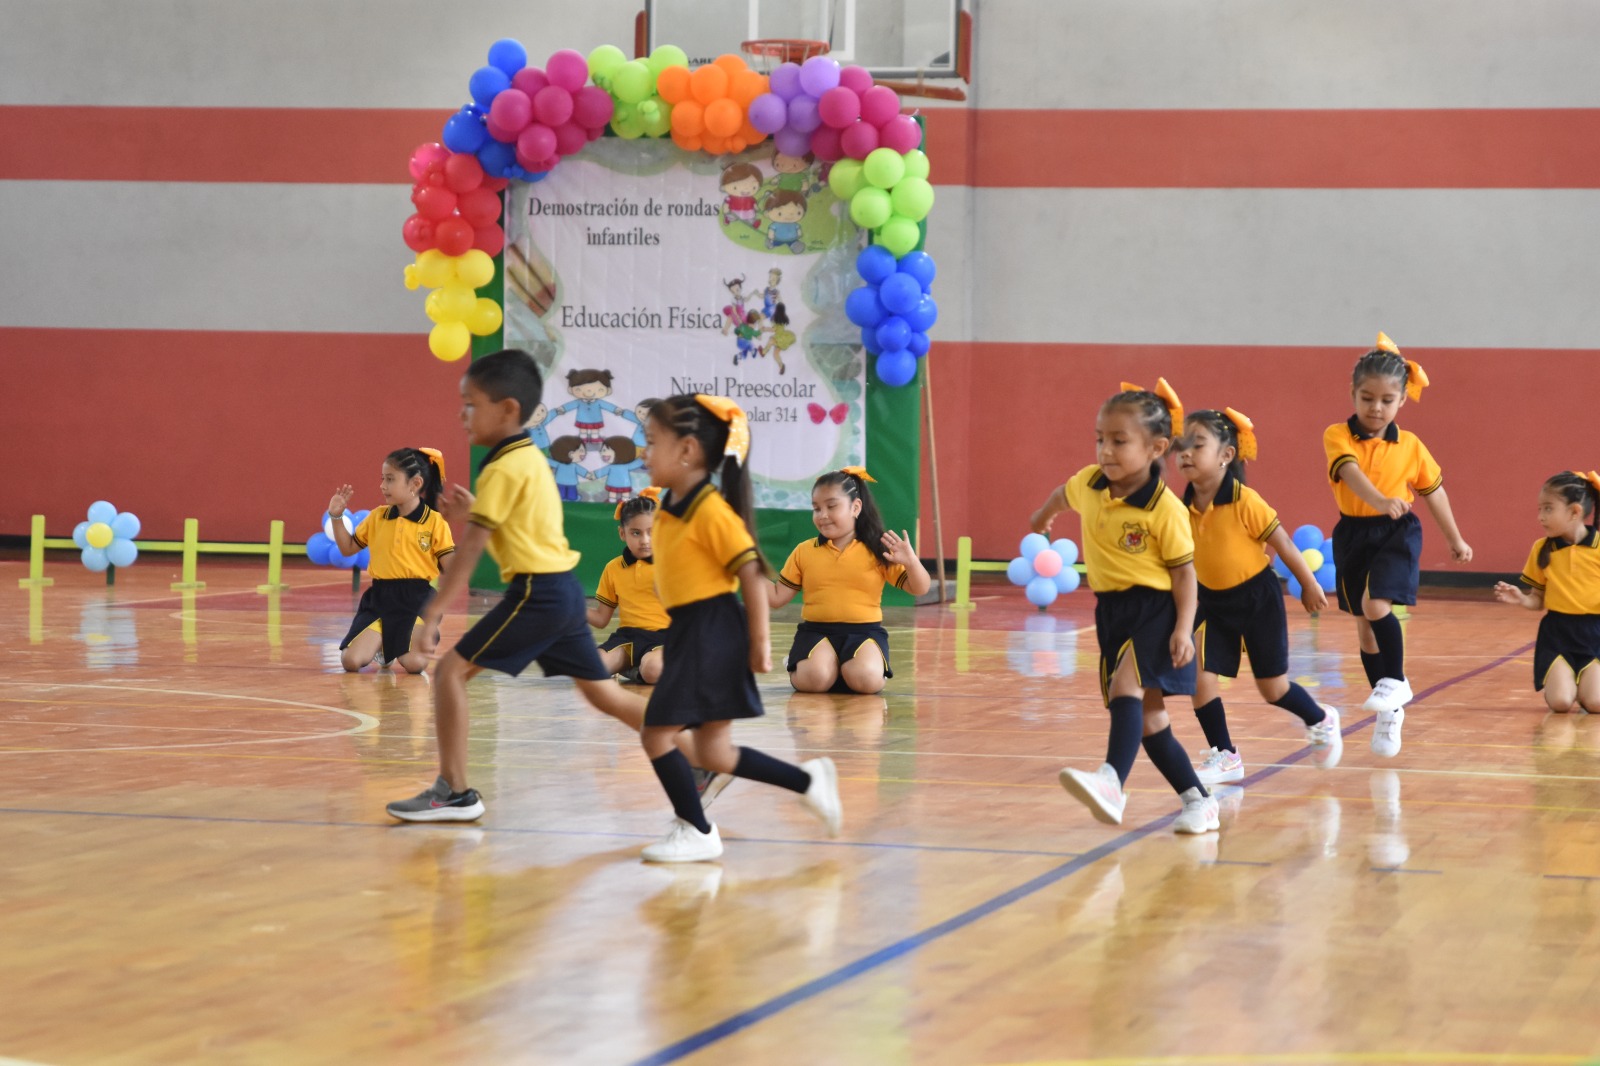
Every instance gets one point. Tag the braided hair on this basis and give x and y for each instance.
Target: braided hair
(869, 523)
(414, 463)
(1220, 426)
(1151, 411)
(1572, 488)
(1380, 363)
(633, 507)
(683, 416)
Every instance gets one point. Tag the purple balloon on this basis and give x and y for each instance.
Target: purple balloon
(819, 74)
(857, 79)
(768, 113)
(791, 141)
(785, 81)
(900, 133)
(803, 114)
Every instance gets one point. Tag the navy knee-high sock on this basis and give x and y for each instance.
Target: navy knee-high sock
(1372, 663)
(1127, 722)
(1214, 723)
(678, 779)
(759, 766)
(1391, 645)
(1298, 702)
(1173, 762)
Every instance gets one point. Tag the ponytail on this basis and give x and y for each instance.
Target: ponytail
(1573, 488)
(852, 480)
(425, 463)
(720, 426)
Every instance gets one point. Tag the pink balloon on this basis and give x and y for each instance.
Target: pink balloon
(839, 107)
(857, 79)
(803, 114)
(535, 144)
(901, 133)
(1047, 563)
(879, 105)
(592, 107)
(553, 106)
(501, 133)
(568, 69)
(529, 80)
(570, 137)
(594, 133)
(858, 141)
(825, 145)
(793, 142)
(511, 110)
(426, 155)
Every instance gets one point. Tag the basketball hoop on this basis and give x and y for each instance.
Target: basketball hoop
(771, 51)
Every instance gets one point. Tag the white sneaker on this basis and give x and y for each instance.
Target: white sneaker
(684, 843)
(822, 798)
(1386, 733)
(1327, 740)
(1199, 813)
(1219, 766)
(1388, 695)
(1099, 791)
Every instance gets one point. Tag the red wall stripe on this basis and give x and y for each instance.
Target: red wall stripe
(1354, 149)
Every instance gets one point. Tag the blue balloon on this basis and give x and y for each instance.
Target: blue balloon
(360, 516)
(487, 83)
(540, 176)
(1066, 549)
(80, 534)
(1279, 567)
(893, 333)
(1326, 577)
(125, 526)
(918, 344)
(1042, 591)
(1327, 549)
(95, 559)
(897, 368)
(122, 552)
(1067, 579)
(495, 156)
(922, 317)
(869, 340)
(464, 132)
(101, 511)
(319, 549)
(863, 307)
(364, 558)
(348, 562)
(1294, 586)
(508, 55)
(1032, 545)
(920, 266)
(900, 293)
(875, 263)
(1020, 571)
(1307, 537)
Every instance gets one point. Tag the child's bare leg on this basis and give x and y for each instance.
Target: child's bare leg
(1369, 642)
(864, 673)
(361, 651)
(650, 666)
(413, 662)
(615, 660)
(1560, 688)
(1589, 689)
(818, 671)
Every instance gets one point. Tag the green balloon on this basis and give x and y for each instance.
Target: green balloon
(900, 235)
(884, 167)
(912, 198)
(604, 61)
(661, 124)
(632, 82)
(667, 55)
(629, 128)
(870, 208)
(845, 178)
(916, 163)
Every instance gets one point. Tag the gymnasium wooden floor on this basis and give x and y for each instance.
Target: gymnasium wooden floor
(197, 867)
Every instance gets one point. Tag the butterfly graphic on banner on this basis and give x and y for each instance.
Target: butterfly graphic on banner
(820, 414)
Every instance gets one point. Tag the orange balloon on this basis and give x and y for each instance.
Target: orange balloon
(708, 84)
(723, 118)
(714, 144)
(749, 134)
(673, 84)
(688, 118)
(731, 63)
(746, 86)
(688, 144)
(737, 144)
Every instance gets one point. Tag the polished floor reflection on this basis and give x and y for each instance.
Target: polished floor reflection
(197, 867)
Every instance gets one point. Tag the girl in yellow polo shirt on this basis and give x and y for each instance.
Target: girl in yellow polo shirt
(1374, 467)
(841, 645)
(629, 582)
(1240, 602)
(1562, 578)
(1139, 553)
(410, 540)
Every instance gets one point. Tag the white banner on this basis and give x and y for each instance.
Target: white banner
(637, 270)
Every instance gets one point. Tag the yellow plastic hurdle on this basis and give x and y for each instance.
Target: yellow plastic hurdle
(191, 546)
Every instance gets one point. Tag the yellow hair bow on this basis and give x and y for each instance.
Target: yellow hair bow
(1594, 481)
(858, 472)
(1246, 431)
(1166, 395)
(1416, 381)
(436, 457)
(652, 494)
(1384, 344)
(725, 410)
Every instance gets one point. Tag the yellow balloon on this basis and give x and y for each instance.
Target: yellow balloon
(455, 303)
(412, 281)
(434, 268)
(98, 535)
(485, 318)
(474, 268)
(1313, 558)
(449, 341)
(431, 307)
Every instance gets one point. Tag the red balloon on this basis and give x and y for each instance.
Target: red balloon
(529, 80)
(463, 172)
(455, 236)
(479, 207)
(825, 144)
(422, 156)
(490, 240)
(435, 202)
(570, 138)
(418, 234)
(553, 106)
(511, 109)
(495, 184)
(535, 144)
(592, 107)
(858, 141)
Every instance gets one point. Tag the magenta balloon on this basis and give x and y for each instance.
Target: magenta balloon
(803, 114)
(570, 137)
(856, 79)
(791, 141)
(553, 106)
(529, 80)
(839, 107)
(499, 132)
(785, 81)
(859, 140)
(825, 145)
(819, 74)
(592, 107)
(879, 105)
(900, 133)
(568, 69)
(511, 110)
(768, 113)
(535, 144)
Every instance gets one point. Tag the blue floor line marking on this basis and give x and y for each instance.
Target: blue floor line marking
(828, 981)
(1571, 877)
(1400, 870)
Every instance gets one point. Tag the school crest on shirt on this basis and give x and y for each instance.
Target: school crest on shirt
(1134, 538)
(424, 540)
